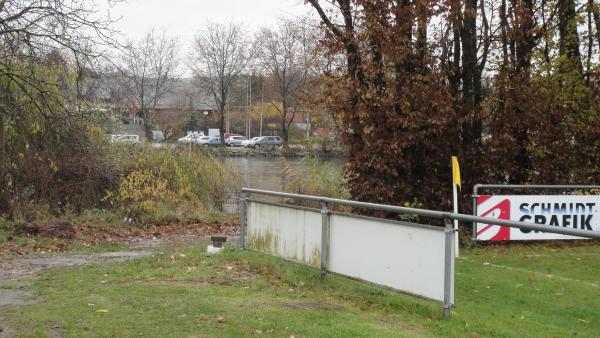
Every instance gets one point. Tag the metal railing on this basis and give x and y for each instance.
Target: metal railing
(449, 231)
(573, 232)
(432, 213)
(325, 210)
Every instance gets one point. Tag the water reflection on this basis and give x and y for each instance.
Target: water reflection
(267, 173)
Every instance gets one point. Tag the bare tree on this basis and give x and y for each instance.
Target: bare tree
(30, 31)
(149, 69)
(220, 53)
(286, 55)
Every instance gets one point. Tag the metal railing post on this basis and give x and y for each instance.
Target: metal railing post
(325, 214)
(243, 221)
(448, 268)
(475, 196)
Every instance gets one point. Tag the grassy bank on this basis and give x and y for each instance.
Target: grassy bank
(517, 291)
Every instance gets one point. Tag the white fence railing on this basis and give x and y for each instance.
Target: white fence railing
(411, 258)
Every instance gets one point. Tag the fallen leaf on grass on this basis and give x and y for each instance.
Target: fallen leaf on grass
(101, 311)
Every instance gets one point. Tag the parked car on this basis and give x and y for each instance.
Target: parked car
(158, 135)
(128, 139)
(189, 139)
(213, 142)
(115, 137)
(265, 141)
(202, 140)
(235, 141)
(245, 143)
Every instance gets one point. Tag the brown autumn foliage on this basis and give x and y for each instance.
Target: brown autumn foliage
(412, 82)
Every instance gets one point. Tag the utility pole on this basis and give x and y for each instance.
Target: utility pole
(250, 108)
(262, 105)
(227, 118)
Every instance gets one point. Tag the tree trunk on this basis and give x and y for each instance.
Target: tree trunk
(421, 45)
(471, 79)
(525, 41)
(546, 37)
(469, 55)
(590, 46)
(455, 73)
(568, 37)
(504, 33)
(284, 129)
(596, 13)
(222, 125)
(3, 166)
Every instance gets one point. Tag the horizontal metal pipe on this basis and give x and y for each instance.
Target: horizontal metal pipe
(432, 213)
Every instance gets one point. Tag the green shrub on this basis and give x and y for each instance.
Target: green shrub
(164, 184)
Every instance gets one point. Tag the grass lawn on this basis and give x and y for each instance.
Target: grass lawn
(508, 291)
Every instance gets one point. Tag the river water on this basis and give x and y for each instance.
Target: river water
(267, 173)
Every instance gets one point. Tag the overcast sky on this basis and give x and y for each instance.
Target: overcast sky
(183, 18)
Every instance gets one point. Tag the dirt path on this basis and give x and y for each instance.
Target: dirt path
(16, 274)
(15, 277)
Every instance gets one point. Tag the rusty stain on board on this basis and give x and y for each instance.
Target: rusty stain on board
(266, 223)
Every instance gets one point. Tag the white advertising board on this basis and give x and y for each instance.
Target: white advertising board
(572, 211)
(403, 257)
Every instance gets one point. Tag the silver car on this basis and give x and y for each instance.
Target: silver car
(235, 141)
(202, 140)
(265, 141)
(158, 135)
(128, 139)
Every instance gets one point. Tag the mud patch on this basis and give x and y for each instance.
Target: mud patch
(122, 255)
(12, 297)
(30, 266)
(14, 280)
(5, 331)
(178, 283)
(312, 306)
(55, 331)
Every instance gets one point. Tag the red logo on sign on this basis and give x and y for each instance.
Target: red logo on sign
(492, 209)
